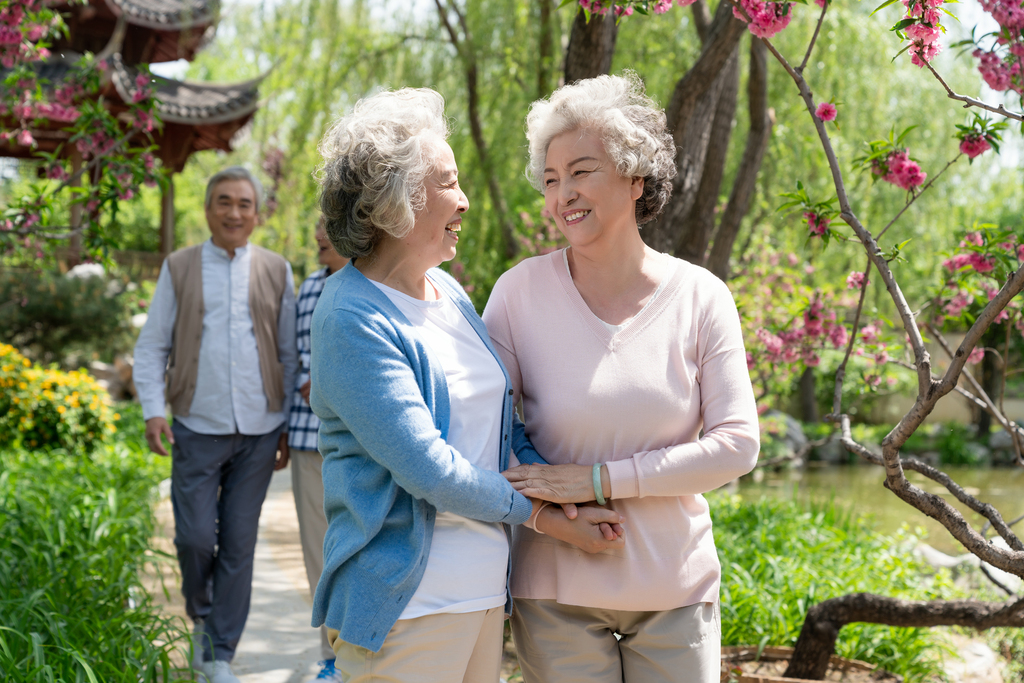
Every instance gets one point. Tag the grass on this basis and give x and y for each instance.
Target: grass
(779, 557)
(75, 532)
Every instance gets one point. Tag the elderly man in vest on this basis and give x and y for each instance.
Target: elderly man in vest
(220, 338)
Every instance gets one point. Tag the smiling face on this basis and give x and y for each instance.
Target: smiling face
(435, 233)
(584, 193)
(231, 214)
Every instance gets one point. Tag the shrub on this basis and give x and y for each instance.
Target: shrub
(74, 535)
(780, 557)
(48, 408)
(56, 318)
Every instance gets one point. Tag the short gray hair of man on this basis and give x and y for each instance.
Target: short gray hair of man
(629, 124)
(234, 173)
(375, 162)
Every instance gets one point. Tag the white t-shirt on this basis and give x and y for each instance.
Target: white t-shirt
(468, 559)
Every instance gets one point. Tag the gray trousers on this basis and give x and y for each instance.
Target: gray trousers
(218, 484)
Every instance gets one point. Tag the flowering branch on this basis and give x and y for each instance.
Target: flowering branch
(972, 102)
(915, 195)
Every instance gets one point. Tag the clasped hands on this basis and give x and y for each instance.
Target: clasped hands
(580, 521)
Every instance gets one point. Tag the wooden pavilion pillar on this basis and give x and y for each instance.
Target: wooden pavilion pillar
(167, 217)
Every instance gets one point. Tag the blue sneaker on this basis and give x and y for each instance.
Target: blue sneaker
(328, 672)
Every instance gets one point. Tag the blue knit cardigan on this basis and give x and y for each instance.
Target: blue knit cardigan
(382, 399)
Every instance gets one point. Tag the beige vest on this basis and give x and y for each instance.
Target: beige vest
(268, 275)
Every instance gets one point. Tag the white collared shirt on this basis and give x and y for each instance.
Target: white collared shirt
(229, 394)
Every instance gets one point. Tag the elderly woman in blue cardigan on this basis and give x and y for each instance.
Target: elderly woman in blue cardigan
(416, 413)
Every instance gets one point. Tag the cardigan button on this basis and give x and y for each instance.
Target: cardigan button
(509, 392)
(506, 437)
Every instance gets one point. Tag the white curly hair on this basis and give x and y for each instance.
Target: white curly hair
(375, 161)
(629, 123)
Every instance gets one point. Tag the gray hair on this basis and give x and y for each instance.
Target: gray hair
(234, 173)
(629, 124)
(375, 162)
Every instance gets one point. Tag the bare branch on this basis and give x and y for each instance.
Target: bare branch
(1011, 561)
(971, 102)
(814, 39)
(837, 396)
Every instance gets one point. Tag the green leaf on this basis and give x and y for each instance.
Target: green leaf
(883, 6)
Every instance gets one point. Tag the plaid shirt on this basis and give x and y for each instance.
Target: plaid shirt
(302, 423)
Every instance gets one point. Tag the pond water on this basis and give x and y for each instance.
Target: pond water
(861, 487)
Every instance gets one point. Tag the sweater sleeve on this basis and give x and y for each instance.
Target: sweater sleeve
(730, 442)
(496, 319)
(365, 378)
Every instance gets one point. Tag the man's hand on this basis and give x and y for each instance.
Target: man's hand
(282, 452)
(155, 428)
(593, 530)
(304, 390)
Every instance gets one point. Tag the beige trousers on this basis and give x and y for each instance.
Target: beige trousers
(437, 648)
(308, 487)
(568, 644)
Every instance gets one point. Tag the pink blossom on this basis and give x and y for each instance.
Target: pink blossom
(977, 355)
(765, 18)
(855, 280)
(838, 336)
(772, 343)
(980, 263)
(973, 145)
(793, 259)
(811, 360)
(957, 304)
(882, 357)
(820, 3)
(25, 138)
(922, 53)
(974, 238)
(1002, 316)
(957, 262)
(1020, 253)
(923, 33)
(869, 333)
(826, 111)
(750, 361)
(816, 223)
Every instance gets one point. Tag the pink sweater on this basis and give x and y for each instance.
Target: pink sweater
(636, 400)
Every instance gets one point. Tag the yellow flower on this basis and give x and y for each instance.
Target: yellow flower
(26, 362)
(22, 385)
(61, 409)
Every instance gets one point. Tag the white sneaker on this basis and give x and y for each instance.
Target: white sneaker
(197, 646)
(219, 672)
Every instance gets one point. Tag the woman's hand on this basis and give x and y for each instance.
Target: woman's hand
(558, 483)
(593, 530)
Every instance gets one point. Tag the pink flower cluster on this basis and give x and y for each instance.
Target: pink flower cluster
(766, 18)
(799, 343)
(974, 145)
(18, 34)
(1002, 73)
(626, 10)
(817, 223)
(99, 143)
(900, 170)
(855, 280)
(925, 32)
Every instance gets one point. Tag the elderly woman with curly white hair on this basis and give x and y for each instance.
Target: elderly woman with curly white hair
(416, 415)
(633, 379)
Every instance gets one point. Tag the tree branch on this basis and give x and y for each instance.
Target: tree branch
(814, 39)
(913, 197)
(817, 639)
(971, 102)
(837, 396)
(1011, 561)
(750, 165)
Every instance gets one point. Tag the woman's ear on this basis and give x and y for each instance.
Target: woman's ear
(636, 188)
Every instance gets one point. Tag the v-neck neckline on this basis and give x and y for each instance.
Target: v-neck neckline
(609, 339)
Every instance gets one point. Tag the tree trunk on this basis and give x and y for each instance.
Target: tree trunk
(690, 118)
(545, 52)
(808, 400)
(467, 55)
(824, 621)
(694, 234)
(591, 47)
(750, 165)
